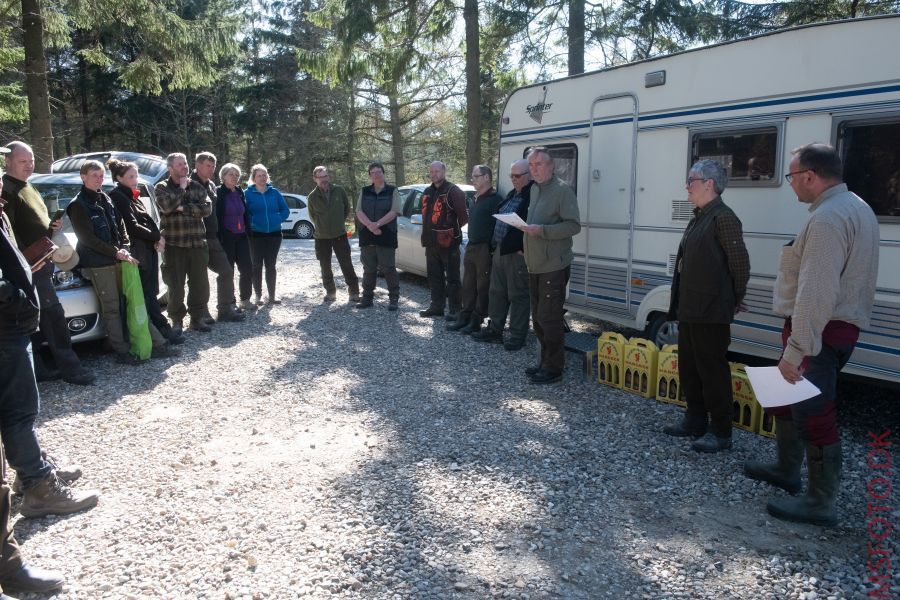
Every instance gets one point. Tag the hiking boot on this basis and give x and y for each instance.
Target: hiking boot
(461, 322)
(329, 298)
(273, 300)
(365, 303)
(247, 305)
(208, 319)
(488, 335)
(257, 300)
(514, 345)
(127, 358)
(451, 317)
(473, 326)
(785, 473)
(711, 443)
(199, 325)
(532, 371)
(230, 315)
(817, 506)
(173, 336)
(44, 373)
(166, 350)
(53, 497)
(685, 428)
(354, 297)
(544, 377)
(31, 579)
(80, 377)
(432, 311)
(68, 474)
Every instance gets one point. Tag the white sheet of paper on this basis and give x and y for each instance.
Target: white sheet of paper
(511, 219)
(771, 389)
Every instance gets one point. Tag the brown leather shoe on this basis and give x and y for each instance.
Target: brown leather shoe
(52, 496)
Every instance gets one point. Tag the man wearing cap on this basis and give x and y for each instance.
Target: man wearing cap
(30, 221)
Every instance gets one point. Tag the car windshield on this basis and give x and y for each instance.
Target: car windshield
(149, 167)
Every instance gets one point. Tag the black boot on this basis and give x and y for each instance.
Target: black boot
(474, 325)
(817, 505)
(687, 428)
(366, 302)
(785, 473)
(461, 322)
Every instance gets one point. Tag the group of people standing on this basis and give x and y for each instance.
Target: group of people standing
(825, 290)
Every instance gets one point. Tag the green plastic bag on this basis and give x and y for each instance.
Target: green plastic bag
(136, 312)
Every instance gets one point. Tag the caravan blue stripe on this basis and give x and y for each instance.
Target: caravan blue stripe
(715, 109)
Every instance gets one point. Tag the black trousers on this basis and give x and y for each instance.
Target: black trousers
(548, 295)
(341, 248)
(443, 276)
(149, 271)
(264, 252)
(237, 249)
(53, 322)
(706, 375)
(476, 281)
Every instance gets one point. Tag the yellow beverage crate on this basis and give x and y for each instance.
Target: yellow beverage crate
(746, 411)
(767, 425)
(639, 367)
(609, 358)
(668, 386)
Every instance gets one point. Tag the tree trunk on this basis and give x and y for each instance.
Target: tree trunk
(397, 139)
(576, 37)
(36, 85)
(87, 130)
(473, 86)
(351, 139)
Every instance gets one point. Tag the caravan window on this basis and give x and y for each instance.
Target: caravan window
(565, 162)
(871, 158)
(750, 156)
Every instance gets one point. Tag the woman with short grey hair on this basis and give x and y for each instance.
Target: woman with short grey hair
(711, 273)
(231, 212)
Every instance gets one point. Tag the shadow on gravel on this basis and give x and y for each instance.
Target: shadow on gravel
(472, 491)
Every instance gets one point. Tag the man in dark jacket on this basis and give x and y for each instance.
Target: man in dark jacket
(376, 211)
(30, 221)
(227, 310)
(509, 274)
(477, 262)
(443, 216)
(711, 273)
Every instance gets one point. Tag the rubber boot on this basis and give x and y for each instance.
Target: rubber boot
(817, 506)
(786, 472)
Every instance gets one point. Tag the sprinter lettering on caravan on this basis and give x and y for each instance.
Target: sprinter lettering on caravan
(536, 111)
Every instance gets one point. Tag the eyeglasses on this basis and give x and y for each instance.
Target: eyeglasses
(474, 177)
(517, 175)
(790, 176)
(691, 180)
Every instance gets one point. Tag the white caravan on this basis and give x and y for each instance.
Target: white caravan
(624, 138)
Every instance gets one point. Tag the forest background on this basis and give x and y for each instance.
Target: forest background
(297, 83)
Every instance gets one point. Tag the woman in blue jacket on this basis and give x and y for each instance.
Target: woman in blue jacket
(266, 209)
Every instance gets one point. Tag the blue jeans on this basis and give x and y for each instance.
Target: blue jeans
(19, 405)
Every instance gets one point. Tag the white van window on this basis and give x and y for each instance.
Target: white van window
(748, 155)
(871, 156)
(565, 162)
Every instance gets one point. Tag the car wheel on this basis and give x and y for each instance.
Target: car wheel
(661, 331)
(303, 230)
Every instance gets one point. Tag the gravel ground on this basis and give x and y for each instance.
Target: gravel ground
(321, 451)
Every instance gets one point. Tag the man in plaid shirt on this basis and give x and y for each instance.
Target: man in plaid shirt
(183, 204)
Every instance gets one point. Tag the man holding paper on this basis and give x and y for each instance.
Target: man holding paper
(825, 289)
(509, 275)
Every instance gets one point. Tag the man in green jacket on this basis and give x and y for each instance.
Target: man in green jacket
(553, 220)
(329, 208)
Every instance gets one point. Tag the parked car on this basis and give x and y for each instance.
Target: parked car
(410, 253)
(151, 166)
(298, 222)
(76, 294)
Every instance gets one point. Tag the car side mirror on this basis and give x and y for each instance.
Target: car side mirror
(416, 219)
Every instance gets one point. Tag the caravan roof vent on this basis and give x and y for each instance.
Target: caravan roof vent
(655, 78)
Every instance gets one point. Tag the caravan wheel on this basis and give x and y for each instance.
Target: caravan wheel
(660, 331)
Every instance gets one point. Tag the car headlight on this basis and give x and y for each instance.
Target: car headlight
(64, 280)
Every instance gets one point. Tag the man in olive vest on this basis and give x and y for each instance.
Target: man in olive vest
(329, 207)
(377, 210)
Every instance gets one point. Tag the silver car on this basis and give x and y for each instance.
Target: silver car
(76, 294)
(151, 166)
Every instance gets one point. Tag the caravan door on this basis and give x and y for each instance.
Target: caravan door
(604, 281)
